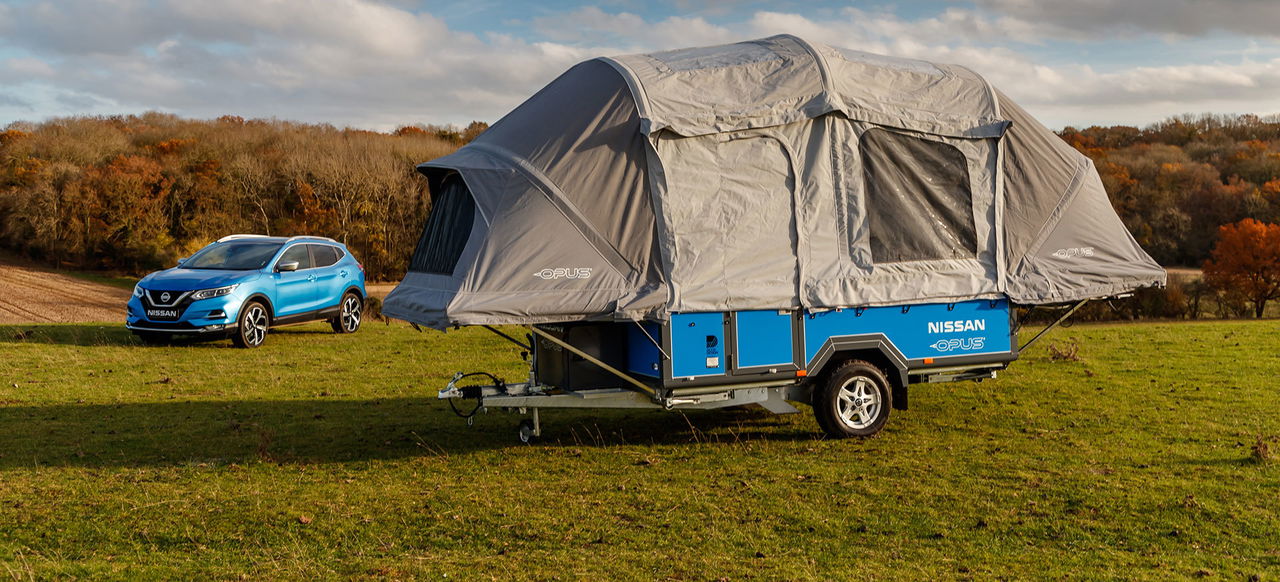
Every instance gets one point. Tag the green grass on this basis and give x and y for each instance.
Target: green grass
(323, 456)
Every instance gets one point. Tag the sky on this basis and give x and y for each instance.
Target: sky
(381, 64)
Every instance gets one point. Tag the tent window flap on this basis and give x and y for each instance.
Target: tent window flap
(447, 230)
(919, 203)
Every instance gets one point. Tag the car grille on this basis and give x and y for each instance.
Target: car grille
(155, 308)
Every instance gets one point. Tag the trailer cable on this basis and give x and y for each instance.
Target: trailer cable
(470, 416)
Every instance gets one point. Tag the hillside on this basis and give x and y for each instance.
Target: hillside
(133, 193)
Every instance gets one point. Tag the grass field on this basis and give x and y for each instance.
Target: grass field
(323, 456)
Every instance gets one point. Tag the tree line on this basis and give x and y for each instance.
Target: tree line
(136, 192)
(1175, 182)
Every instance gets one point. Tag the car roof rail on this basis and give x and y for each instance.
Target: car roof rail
(311, 237)
(290, 239)
(241, 236)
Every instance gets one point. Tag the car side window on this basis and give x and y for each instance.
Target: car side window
(324, 255)
(296, 253)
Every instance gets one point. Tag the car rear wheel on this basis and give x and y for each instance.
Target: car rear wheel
(854, 401)
(252, 326)
(350, 312)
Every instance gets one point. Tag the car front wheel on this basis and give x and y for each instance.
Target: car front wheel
(253, 324)
(350, 312)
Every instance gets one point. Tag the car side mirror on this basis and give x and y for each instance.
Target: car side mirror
(287, 266)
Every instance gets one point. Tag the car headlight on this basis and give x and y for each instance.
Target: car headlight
(211, 293)
(137, 291)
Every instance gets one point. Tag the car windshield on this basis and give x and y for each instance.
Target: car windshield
(233, 256)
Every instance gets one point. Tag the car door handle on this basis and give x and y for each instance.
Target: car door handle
(342, 273)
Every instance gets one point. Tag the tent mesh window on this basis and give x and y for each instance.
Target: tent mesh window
(448, 228)
(919, 204)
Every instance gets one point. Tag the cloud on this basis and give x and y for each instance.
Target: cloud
(627, 32)
(382, 64)
(347, 61)
(1097, 18)
(85, 26)
(13, 101)
(25, 68)
(1060, 94)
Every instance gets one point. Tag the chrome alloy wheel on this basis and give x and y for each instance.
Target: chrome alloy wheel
(351, 313)
(255, 325)
(858, 402)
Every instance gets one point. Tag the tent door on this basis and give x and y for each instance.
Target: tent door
(731, 251)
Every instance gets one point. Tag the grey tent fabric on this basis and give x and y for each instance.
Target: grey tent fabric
(769, 174)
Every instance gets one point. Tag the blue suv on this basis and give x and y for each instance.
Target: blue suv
(245, 284)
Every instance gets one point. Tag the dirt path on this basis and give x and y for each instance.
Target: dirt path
(34, 296)
(379, 290)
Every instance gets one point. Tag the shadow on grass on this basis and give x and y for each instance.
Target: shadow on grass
(72, 335)
(321, 430)
(95, 335)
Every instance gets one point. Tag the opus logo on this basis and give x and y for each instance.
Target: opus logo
(564, 273)
(1073, 252)
(951, 345)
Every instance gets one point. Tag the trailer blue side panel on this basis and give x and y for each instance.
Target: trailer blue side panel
(697, 344)
(764, 338)
(643, 356)
(932, 330)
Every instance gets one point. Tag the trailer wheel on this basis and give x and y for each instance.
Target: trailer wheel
(854, 401)
(525, 432)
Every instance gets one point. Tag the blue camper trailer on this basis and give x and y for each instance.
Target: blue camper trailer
(765, 222)
(852, 365)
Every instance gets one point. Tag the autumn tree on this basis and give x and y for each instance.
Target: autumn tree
(133, 192)
(1246, 261)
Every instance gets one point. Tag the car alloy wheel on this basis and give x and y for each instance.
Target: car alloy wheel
(351, 313)
(254, 323)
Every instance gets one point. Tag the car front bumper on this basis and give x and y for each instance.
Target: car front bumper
(203, 317)
(168, 327)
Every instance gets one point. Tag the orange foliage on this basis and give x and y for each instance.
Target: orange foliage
(29, 171)
(410, 131)
(1246, 261)
(135, 191)
(313, 217)
(172, 146)
(9, 136)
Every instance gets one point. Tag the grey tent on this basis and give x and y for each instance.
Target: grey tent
(770, 174)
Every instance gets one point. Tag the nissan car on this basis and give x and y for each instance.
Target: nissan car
(243, 285)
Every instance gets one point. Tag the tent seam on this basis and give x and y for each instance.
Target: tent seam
(638, 93)
(565, 207)
(1073, 189)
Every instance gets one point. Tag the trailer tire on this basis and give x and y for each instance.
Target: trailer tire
(854, 401)
(525, 432)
